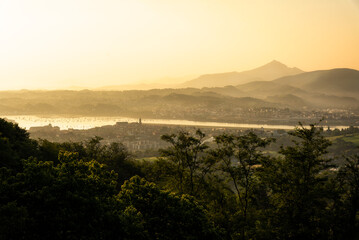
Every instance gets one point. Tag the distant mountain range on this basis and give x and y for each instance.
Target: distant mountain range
(267, 93)
(334, 88)
(340, 81)
(268, 72)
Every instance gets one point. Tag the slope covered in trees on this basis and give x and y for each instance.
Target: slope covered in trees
(229, 190)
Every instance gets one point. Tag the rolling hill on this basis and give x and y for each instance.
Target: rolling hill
(263, 89)
(339, 82)
(289, 100)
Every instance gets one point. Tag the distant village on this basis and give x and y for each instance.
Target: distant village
(136, 136)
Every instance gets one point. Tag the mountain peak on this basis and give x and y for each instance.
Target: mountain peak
(276, 66)
(267, 72)
(275, 63)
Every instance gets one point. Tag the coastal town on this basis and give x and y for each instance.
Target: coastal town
(136, 136)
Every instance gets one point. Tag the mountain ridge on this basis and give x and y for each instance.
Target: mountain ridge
(337, 81)
(267, 72)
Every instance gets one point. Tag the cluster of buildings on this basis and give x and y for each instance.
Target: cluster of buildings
(267, 115)
(135, 136)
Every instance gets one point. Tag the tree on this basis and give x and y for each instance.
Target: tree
(75, 199)
(186, 156)
(115, 156)
(297, 187)
(238, 157)
(348, 178)
(15, 145)
(166, 215)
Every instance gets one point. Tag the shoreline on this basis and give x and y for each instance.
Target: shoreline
(83, 123)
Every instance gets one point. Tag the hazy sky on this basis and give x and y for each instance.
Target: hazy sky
(61, 43)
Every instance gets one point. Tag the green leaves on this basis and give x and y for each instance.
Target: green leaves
(231, 191)
(71, 199)
(348, 206)
(166, 215)
(297, 185)
(77, 199)
(187, 160)
(14, 145)
(238, 157)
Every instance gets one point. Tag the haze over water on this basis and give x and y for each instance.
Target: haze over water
(90, 122)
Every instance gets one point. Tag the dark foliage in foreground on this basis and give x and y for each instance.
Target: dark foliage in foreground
(229, 190)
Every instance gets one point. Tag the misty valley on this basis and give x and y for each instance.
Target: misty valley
(172, 120)
(270, 153)
(254, 97)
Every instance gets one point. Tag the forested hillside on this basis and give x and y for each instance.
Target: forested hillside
(229, 190)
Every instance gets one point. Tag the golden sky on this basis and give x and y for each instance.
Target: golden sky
(62, 43)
